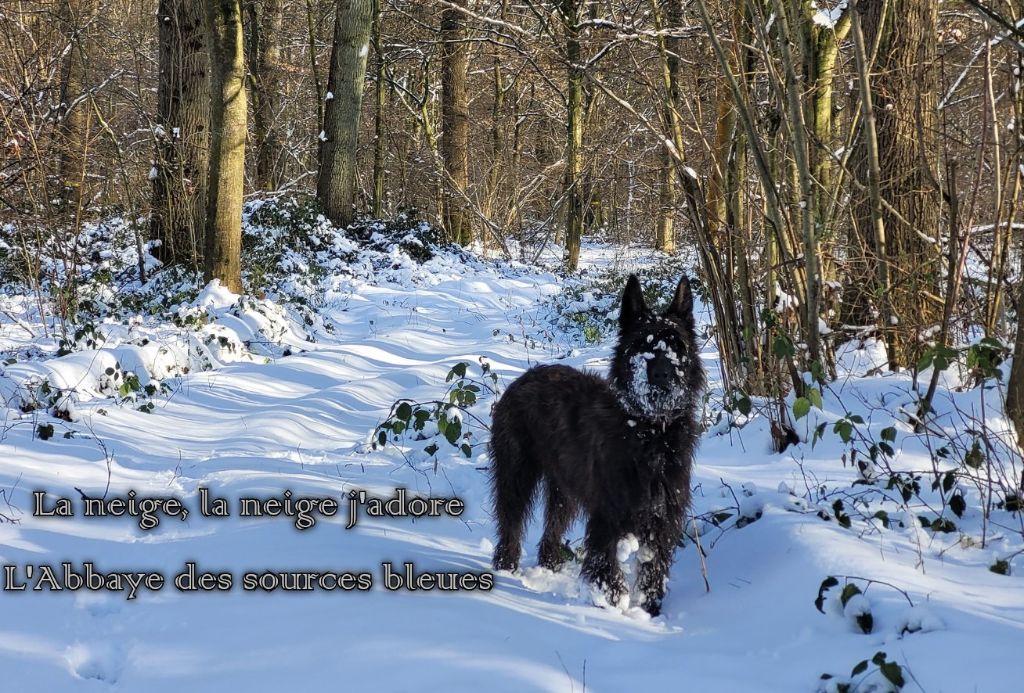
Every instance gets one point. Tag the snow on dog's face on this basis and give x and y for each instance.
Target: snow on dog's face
(657, 370)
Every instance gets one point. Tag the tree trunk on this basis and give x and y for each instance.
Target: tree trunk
(379, 150)
(574, 136)
(455, 123)
(76, 18)
(182, 149)
(263, 53)
(227, 144)
(336, 183)
(664, 238)
(903, 89)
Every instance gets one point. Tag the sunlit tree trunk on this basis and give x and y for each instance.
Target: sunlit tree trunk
(336, 184)
(227, 144)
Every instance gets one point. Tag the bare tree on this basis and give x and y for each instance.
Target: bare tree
(182, 133)
(336, 184)
(227, 144)
(455, 121)
(263, 53)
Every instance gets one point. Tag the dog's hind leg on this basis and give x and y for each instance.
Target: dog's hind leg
(559, 511)
(601, 566)
(515, 476)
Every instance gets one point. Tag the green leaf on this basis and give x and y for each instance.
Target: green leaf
(382, 437)
(975, 457)
(44, 431)
(431, 449)
(818, 433)
(947, 482)
(782, 347)
(849, 592)
(859, 668)
(893, 672)
(884, 517)
(957, 504)
(801, 406)
(925, 361)
(865, 622)
(466, 450)
(744, 405)
(815, 397)
(453, 431)
(457, 371)
(889, 434)
(845, 430)
(404, 411)
(1000, 567)
(878, 659)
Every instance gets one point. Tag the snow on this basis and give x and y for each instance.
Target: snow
(245, 418)
(828, 18)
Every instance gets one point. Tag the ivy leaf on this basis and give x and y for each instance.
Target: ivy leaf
(404, 411)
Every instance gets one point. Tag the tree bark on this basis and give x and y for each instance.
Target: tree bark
(263, 53)
(379, 148)
(336, 183)
(227, 145)
(664, 238)
(76, 18)
(455, 123)
(903, 88)
(182, 149)
(574, 135)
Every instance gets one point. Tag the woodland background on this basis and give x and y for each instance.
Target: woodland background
(838, 171)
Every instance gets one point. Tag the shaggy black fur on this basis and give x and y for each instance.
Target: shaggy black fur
(619, 450)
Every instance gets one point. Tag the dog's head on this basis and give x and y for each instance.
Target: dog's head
(657, 369)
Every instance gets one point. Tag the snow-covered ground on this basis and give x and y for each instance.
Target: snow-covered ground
(300, 415)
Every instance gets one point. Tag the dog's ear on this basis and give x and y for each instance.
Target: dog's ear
(632, 302)
(682, 303)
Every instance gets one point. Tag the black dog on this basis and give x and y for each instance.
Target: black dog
(620, 450)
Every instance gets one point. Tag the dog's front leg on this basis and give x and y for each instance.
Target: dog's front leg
(600, 566)
(658, 539)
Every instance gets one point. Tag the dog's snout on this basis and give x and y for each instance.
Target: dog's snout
(660, 372)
